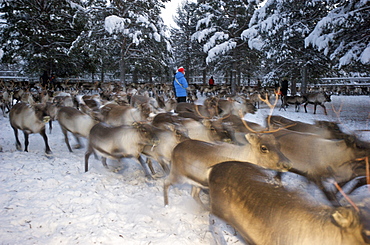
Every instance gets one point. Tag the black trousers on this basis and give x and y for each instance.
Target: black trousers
(181, 99)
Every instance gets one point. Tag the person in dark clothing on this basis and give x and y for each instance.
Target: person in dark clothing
(53, 82)
(44, 80)
(211, 81)
(284, 91)
(284, 87)
(180, 84)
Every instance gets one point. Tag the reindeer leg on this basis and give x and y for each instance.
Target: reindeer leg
(166, 187)
(164, 165)
(323, 106)
(305, 107)
(66, 139)
(195, 191)
(314, 110)
(87, 155)
(17, 142)
(149, 162)
(79, 144)
(26, 142)
(45, 137)
(50, 126)
(104, 161)
(143, 164)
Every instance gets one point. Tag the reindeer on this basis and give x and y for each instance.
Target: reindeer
(317, 99)
(169, 135)
(6, 101)
(78, 123)
(296, 100)
(117, 115)
(319, 159)
(120, 142)
(138, 101)
(265, 214)
(191, 160)
(31, 120)
(204, 129)
(235, 107)
(323, 131)
(207, 110)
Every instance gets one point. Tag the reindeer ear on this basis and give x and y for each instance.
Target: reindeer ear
(252, 138)
(343, 217)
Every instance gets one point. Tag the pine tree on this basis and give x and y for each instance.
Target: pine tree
(39, 33)
(279, 29)
(219, 29)
(344, 34)
(137, 36)
(186, 52)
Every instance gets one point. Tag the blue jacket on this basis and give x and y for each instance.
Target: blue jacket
(180, 90)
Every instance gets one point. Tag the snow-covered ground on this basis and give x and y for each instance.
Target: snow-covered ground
(53, 201)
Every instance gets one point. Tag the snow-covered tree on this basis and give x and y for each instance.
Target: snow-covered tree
(39, 33)
(136, 29)
(186, 52)
(219, 29)
(278, 29)
(344, 34)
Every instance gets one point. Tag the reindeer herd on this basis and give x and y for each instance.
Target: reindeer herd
(238, 164)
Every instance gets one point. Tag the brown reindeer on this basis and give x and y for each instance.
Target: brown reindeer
(321, 159)
(31, 120)
(317, 99)
(191, 159)
(78, 123)
(169, 135)
(117, 115)
(265, 214)
(296, 100)
(120, 142)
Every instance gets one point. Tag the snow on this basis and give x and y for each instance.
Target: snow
(365, 56)
(114, 24)
(205, 21)
(53, 201)
(222, 48)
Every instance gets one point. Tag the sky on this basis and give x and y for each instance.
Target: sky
(169, 11)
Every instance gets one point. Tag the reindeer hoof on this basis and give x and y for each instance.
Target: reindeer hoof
(48, 153)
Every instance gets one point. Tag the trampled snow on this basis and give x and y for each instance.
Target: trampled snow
(53, 201)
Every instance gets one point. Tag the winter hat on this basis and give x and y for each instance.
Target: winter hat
(181, 69)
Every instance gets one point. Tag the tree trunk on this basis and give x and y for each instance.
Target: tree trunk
(293, 87)
(233, 82)
(304, 80)
(122, 66)
(102, 74)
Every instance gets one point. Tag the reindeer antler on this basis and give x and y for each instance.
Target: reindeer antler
(345, 195)
(337, 112)
(367, 169)
(197, 110)
(263, 131)
(272, 107)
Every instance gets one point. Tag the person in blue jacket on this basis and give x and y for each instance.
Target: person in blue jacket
(180, 84)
